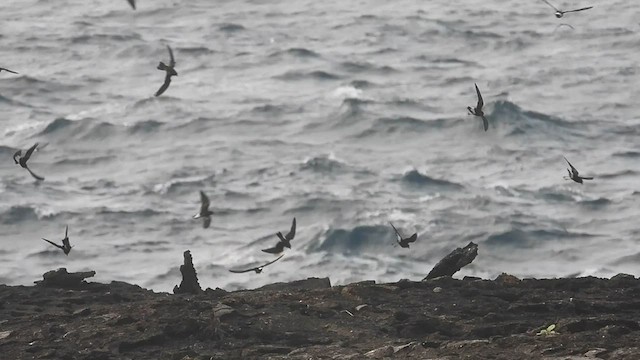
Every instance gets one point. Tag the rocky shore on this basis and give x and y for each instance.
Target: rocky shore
(441, 318)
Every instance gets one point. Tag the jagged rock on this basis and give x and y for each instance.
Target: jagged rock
(453, 262)
(62, 279)
(189, 283)
(506, 279)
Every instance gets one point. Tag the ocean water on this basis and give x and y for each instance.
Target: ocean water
(343, 114)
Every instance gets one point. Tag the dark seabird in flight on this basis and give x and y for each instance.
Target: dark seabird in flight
(284, 240)
(204, 213)
(574, 175)
(22, 160)
(169, 69)
(132, 3)
(477, 111)
(258, 269)
(404, 242)
(560, 13)
(66, 246)
(7, 70)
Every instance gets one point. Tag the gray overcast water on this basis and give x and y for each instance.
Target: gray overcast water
(344, 114)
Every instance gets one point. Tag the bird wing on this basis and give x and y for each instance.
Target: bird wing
(573, 170)
(271, 262)
(480, 101)
(206, 221)
(167, 81)
(396, 231)
(35, 176)
(172, 61)
(257, 268)
(27, 155)
(66, 232)
(292, 232)
(54, 244)
(132, 3)
(411, 239)
(581, 9)
(5, 69)
(485, 123)
(587, 178)
(242, 271)
(554, 8)
(277, 249)
(204, 202)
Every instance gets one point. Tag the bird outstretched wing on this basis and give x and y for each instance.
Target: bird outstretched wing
(277, 249)
(172, 60)
(292, 233)
(52, 243)
(35, 176)
(27, 155)
(165, 85)
(480, 100)
(581, 9)
(554, 8)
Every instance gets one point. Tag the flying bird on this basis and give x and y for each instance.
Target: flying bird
(258, 269)
(66, 246)
(560, 13)
(284, 240)
(204, 212)
(132, 3)
(22, 160)
(574, 175)
(477, 111)
(7, 70)
(170, 71)
(404, 242)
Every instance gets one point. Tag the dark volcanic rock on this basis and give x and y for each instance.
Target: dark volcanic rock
(307, 284)
(189, 283)
(63, 279)
(478, 319)
(453, 262)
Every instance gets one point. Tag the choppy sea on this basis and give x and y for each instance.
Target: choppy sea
(343, 114)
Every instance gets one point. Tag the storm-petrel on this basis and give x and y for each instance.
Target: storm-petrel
(22, 160)
(477, 111)
(169, 69)
(7, 70)
(132, 3)
(560, 13)
(258, 269)
(284, 240)
(574, 175)
(404, 242)
(204, 213)
(66, 246)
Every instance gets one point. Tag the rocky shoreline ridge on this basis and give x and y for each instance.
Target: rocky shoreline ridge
(439, 318)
